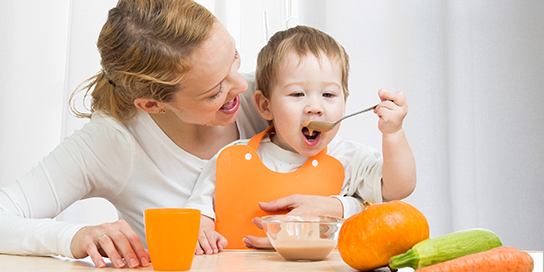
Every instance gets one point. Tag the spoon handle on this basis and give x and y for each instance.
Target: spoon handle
(355, 113)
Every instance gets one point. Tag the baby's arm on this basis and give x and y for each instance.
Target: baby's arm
(209, 240)
(399, 167)
(202, 198)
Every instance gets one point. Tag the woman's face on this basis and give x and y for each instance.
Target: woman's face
(209, 91)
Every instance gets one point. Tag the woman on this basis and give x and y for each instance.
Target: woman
(168, 98)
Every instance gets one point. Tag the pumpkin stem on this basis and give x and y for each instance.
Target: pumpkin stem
(367, 203)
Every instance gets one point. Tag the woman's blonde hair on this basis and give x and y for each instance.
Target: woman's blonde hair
(303, 40)
(144, 45)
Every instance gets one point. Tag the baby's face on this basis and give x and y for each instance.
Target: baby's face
(306, 89)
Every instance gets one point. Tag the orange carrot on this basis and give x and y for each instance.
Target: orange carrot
(500, 259)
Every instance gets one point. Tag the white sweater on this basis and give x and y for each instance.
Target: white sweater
(132, 164)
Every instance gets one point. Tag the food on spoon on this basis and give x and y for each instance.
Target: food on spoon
(446, 247)
(499, 259)
(367, 240)
(306, 123)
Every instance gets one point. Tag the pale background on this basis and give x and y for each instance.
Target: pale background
(473, 73)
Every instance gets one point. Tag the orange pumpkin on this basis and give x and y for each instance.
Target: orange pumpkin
(368, 239)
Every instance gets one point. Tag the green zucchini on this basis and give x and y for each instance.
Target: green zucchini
(446, 247)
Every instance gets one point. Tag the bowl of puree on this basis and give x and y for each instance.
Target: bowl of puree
(302, 237)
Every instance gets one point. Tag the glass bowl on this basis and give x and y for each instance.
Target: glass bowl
(302, 237)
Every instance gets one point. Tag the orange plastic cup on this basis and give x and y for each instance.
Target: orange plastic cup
(171, 236)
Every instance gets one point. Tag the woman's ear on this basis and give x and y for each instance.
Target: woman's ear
(263, 105)
(149, 105)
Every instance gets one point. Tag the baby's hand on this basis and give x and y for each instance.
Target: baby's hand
(209, 240)
(391, 111)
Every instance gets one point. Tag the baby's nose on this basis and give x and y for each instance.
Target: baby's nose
(314, 108)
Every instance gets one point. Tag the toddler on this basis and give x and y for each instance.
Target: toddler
(302, 75)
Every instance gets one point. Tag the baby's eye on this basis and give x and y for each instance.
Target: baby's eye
(297, 94)
(328, 95)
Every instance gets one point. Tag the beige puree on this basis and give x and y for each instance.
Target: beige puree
(306, 245)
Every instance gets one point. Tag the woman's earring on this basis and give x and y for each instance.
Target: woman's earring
(162, 111)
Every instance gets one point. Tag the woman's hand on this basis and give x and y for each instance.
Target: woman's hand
(305, 204)
(296, 204)
(114, 240)
(209, 240)
(256, 241)
(391, 111)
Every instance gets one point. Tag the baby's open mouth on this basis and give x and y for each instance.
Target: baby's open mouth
(310, 136)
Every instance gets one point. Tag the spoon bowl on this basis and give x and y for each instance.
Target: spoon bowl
(324, 126)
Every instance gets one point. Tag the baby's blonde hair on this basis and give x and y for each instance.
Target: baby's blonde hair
(144, 46)
(303, 40)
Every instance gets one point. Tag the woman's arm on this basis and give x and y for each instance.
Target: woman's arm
(94, 161)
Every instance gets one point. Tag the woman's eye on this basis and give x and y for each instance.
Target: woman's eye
(215, 96)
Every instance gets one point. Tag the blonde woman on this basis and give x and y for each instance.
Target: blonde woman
(168, 97)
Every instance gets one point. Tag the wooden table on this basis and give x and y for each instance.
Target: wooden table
(229, 260)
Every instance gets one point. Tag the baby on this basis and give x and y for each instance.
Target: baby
(302, 75)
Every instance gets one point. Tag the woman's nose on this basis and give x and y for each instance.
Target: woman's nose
(238, 84)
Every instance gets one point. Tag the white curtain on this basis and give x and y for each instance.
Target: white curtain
(473, 73)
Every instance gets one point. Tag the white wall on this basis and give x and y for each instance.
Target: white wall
(32, 66)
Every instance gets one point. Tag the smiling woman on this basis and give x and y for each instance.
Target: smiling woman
(149, 134)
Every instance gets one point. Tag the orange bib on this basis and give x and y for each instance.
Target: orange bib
(242, 180)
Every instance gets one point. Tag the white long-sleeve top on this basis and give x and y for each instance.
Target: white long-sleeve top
(132, 164)
(362, 180)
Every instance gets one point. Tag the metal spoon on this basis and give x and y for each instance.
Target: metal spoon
(323, 126)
